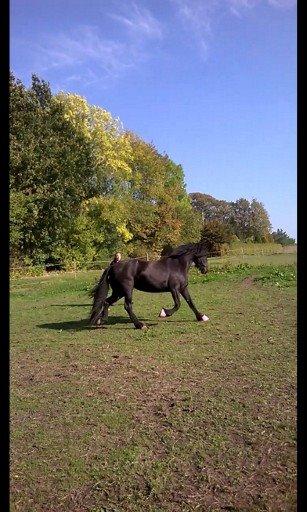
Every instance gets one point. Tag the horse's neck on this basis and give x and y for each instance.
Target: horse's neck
(187, 262)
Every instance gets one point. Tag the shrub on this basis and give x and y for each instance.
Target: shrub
(216, 236)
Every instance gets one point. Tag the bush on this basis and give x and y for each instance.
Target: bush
(216, 237)
(33, 271)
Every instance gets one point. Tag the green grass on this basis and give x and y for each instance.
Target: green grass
(254, 259)
(255, 248)
(183, 417)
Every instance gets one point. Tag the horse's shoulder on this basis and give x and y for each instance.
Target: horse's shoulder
(143, 264)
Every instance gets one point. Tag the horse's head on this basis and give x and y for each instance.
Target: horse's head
(196, 253)
(200, 261)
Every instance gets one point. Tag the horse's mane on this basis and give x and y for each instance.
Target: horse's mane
(198, 249)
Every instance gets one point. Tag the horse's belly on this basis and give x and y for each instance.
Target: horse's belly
(147, 286)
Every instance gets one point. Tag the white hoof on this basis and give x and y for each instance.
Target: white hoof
(205, 318)
(162, 313)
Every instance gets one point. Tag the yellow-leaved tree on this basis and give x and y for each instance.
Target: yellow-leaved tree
(101, 225)
(111, 147)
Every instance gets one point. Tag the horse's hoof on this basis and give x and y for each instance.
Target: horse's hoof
(162, 313)
(204, 318)
(143, 327)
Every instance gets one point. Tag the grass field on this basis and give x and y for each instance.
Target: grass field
(182, 417)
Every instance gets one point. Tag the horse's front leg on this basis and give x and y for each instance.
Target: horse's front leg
(186, 295)
(169, 312)
(134, 318)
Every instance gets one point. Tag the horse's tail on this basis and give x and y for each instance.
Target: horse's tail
(99, 293)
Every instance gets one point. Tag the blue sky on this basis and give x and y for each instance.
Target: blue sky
(210, 82)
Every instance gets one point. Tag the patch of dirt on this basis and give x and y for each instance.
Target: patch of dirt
(248, 281)
(209, 436)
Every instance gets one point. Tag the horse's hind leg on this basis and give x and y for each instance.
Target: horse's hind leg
(169, 312)
(186, 295)
(133, 317)
(105, 312)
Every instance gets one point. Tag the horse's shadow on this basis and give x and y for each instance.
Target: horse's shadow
(84, 325)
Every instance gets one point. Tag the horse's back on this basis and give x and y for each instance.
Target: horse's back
(148, 276)
(124, 268)
(152, 276)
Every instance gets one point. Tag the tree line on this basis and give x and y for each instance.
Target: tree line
(82, 187)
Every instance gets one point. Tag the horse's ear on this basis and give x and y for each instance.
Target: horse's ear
(167, 250)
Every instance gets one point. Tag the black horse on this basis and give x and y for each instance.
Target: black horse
(168, 274)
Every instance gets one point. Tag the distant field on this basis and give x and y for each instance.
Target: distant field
(182, 417)
(287, 255)
(255, 259)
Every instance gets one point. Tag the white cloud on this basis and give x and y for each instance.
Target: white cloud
(88, 57)
(139, 21)
(237, 6)
(200, 16)
(197, 15)
(283, 4)
(84, 55)
(84, 45)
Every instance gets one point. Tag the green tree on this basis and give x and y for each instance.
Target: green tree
(260, 222)
(159, 207)
(50, 165)
(240, 217)
(246, 220)
(281, 237)
(18, 214)
(249, 220)
(211, 208)
(214, 234)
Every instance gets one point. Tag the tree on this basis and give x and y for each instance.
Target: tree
(222, 216)
(18, 212)
(82, 186)
(214, 234)
(240, 219)
(159, 206)
(210, 208)
(110, 145)
(249, 220)
(50, 165)
(41, 90)
(246, 220)
(191, 225)
(281, 237)
(259, 222)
